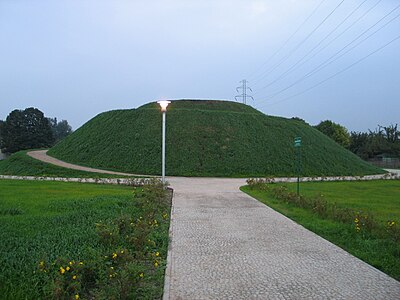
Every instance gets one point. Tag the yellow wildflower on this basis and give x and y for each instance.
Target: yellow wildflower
(156, 264)
(141, 275)
(71, 263)
(122, 251)
(67, 268)
(157, 253)
(74, 277)
(62, 270)
(81, 263)
(76, 296)
(114, 256)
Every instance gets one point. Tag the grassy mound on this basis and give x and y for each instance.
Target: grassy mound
(206, 138)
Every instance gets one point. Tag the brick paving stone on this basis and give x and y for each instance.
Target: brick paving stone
(227, 245)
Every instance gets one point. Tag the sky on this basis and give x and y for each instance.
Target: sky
(313, 59)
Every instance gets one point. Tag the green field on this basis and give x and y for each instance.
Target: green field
(381, 197)
(115, 232)
(20, 164)
(361, 217)
(206, 138)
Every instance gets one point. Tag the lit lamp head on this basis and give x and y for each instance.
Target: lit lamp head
(163, 104)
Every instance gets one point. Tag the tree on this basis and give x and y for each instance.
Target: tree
(391, 133)
(336, 132)
(359, 144)
(25, 129)
(1, 128)
(382, 141)
(60, 129)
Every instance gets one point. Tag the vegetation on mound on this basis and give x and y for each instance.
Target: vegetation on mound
(206, 138)
(360, 217)
(21, 164)
(82, 241)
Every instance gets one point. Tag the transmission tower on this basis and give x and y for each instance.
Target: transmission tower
(244, 89)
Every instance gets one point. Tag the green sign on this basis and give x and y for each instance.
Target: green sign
(297, 141)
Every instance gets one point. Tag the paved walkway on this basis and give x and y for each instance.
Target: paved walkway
(226, 245)
(397, 171)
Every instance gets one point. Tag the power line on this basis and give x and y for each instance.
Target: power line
(335, 56)
(343, 32)
(338, 73)
(244, 88)
(302, 42)
(293, 67)
(287, 40)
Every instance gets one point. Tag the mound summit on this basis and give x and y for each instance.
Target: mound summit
(206, 138)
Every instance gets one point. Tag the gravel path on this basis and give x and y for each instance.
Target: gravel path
(226, 245)
(42, 155)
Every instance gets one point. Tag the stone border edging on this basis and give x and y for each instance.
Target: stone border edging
(387, 176)
(141, 181)
(118, 181)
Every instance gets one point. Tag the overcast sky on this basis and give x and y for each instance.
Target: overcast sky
(75, 59)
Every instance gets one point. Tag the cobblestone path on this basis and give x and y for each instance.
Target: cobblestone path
(226, 245)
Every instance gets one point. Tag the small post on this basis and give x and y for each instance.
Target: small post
(297, 145)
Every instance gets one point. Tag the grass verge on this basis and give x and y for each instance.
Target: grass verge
(21, 164)
(70, 241)
(360, 217)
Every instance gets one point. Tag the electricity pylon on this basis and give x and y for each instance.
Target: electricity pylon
(244, 88)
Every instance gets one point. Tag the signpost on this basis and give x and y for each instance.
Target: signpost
(297, 145)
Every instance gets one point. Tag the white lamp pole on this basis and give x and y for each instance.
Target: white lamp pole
(163, 105)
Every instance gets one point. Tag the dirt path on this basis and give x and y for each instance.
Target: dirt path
(42, 155)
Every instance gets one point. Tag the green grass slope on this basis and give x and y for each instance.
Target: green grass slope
(206, 138)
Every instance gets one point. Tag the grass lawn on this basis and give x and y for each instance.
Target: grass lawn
(382, 197)
(113, 239)
(379, 246)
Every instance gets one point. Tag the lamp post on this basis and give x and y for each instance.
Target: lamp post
(163, 104)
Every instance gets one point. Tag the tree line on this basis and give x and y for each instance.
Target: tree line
(30, 129)
(383, 141)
